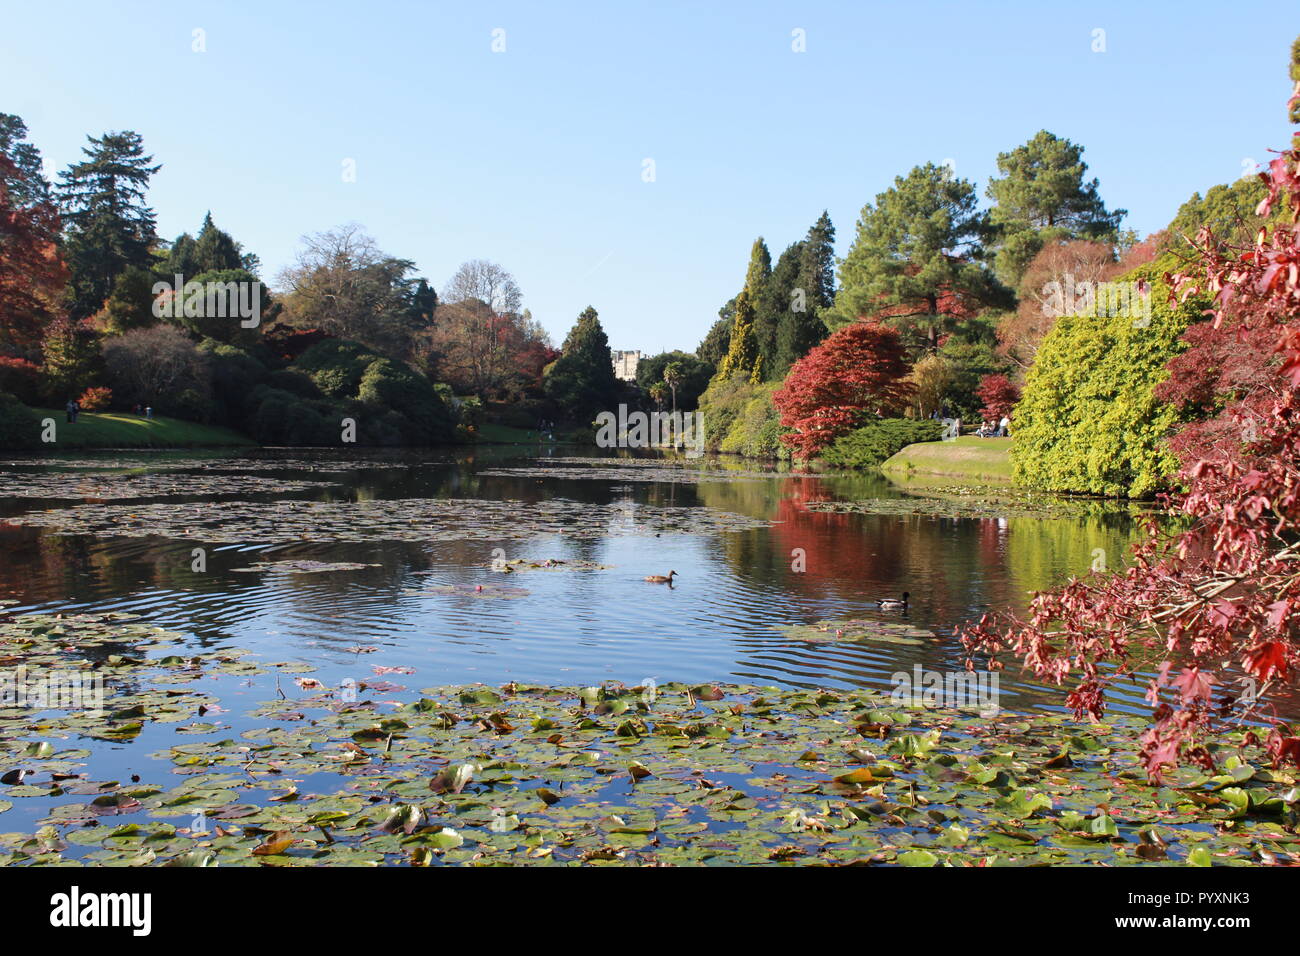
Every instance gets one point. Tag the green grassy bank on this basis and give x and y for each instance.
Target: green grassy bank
(983, 459)
(124, 430)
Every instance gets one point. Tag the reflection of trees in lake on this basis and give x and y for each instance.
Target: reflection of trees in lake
(955, 564)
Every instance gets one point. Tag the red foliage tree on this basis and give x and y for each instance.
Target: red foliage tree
(999, 395)
(857, 371)
(31, 272)
(1224, 594)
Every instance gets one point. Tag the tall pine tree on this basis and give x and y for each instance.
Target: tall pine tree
(109, 226)
(917, 253)
(1041, 198)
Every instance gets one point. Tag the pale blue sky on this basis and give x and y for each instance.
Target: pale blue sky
(533, 157)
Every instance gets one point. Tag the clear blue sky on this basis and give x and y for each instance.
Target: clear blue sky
(533, 157)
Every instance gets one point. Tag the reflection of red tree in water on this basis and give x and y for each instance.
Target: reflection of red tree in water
(863, 557)
(840, 550)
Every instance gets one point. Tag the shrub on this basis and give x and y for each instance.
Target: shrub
(422, 416)
(1089, 420)
(19, 426)
(756, 431)
(873, 443)
(95, 399)
(20, 378)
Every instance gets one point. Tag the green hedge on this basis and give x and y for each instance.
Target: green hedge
(872, 444)
(1089, 421)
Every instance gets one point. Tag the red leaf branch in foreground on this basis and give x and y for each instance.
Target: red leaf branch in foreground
(1222, 595)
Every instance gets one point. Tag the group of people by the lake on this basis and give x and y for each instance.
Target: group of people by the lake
(989, 428)
(992, 429)
(73, 409)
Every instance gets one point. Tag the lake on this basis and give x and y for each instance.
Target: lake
(368, 589)
(718, 623)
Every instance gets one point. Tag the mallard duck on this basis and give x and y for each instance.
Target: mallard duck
(893, 604)
(662, 578)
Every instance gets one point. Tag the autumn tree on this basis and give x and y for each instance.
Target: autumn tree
(857, 372)
(1057, 269)
(342, 282)
(999, 395)
(31, 271)
(1218, 592)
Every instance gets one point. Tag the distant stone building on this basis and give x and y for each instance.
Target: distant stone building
(625, 364)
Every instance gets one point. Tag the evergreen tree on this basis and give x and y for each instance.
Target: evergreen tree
(917, 254)
(781, 296)
(758, 283)
(582, 379)
(760, 267)
(718, 339)
(26, 183)
(215, 250)
(743, 357)
(424, 303)
(109, 226)
(1041, 198)
(802, 327)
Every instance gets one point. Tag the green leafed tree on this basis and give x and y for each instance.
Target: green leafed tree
(1041, 197)
(581, 381)
(109, 226)
(1089, 420)
(917, 255)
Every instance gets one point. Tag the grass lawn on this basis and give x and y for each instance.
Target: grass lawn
(124, 430)
(985, 459)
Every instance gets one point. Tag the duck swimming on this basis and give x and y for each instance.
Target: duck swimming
(662, 578)
(894, 604)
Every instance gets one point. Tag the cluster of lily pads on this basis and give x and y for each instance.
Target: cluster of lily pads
(397, 519)
(530, 775)
(168, 463)
(110, 486)
(523, 565)
(304, 566)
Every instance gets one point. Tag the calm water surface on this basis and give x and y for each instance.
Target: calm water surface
(717, 624)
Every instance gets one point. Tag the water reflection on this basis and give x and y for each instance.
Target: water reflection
(719, 623)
